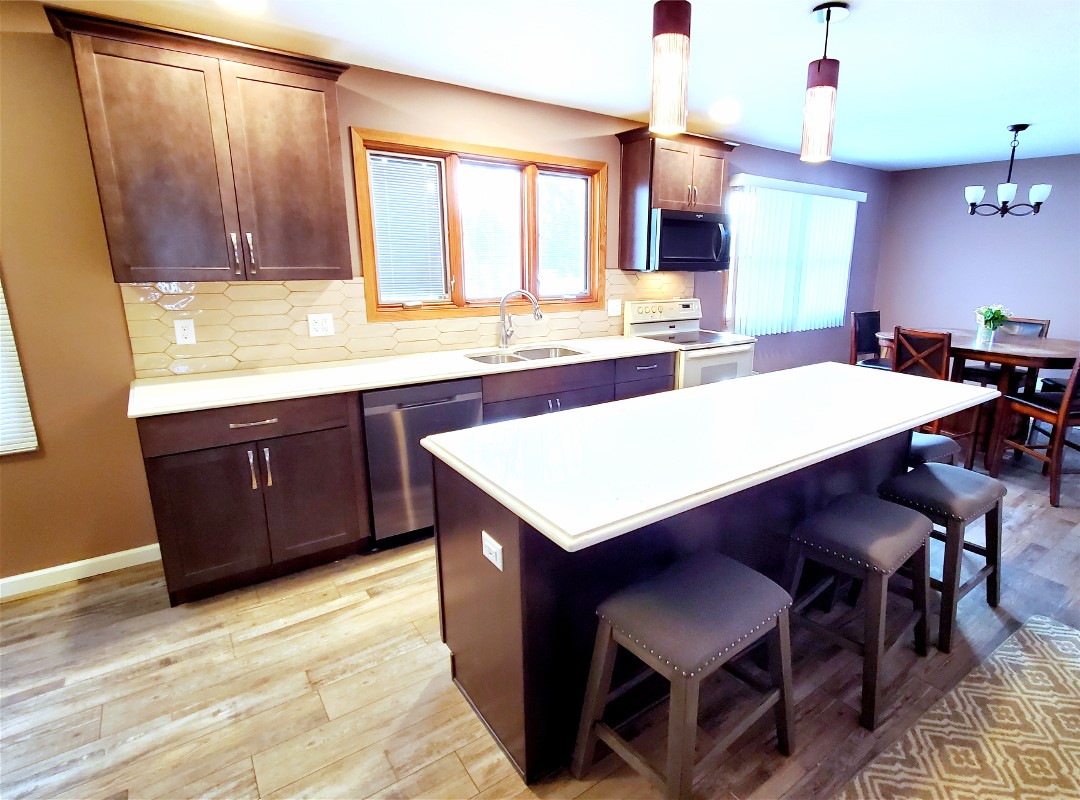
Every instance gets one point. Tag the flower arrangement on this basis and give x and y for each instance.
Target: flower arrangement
(992, 317)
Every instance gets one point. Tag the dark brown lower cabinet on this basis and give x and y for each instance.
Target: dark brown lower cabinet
(245, 511)
(547, 403)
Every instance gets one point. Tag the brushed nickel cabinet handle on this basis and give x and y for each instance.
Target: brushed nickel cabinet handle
(235, 425)
(251, 249)
(695, 195)
(558, 405)
(550, 407)
(269, 474)
(688, 201)
(651, 366)
(238, 261)
(254, 475)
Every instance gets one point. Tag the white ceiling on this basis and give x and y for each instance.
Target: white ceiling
(923, 83)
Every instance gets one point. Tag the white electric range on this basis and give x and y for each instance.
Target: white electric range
(704, 356)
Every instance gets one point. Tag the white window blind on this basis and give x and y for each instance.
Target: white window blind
(792, 259)
(562, 212)
(17, 433)
(491, 239)
(407, 214)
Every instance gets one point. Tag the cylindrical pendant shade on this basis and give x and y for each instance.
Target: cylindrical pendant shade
(974, 194)
(819, 110)
(670, 66)
(1039, 192)
(1006, 192)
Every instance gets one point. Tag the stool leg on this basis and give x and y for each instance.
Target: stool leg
(874, 647)
(682, 737)
(993, 555)
(793, 568)
(596, 692)
(950, 583)
(780, 667)
(920, 590)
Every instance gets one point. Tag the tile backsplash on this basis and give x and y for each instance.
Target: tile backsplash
(250, 325)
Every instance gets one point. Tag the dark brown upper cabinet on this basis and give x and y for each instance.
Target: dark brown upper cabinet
(683, 173)
(215, 161)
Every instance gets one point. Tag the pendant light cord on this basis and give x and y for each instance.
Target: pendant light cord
(828, 18)
(1012, 154)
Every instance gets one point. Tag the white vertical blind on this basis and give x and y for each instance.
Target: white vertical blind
(792, 260)
(17, 433)
(407, 213)
(562, 219)
(489, 197)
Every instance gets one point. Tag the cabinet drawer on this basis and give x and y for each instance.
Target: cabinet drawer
(548, 403)
(642, 367)
(627, 389)
(197, 430)
(548, 380)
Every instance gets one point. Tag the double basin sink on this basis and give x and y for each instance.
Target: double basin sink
(525, 354)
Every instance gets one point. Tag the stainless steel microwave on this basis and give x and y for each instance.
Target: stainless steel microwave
(688, 240)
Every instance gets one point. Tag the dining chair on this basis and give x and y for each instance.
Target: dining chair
(1060, 410)
(926, 353)
(988, 373)
(864, 328)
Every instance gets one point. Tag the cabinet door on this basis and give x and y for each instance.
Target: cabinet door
(662, 383)
(672, 174)
(310, 490)
(286, 154)
(583, 397)
(708, 179)
(157, 131)
(208, 506)
(517, 408)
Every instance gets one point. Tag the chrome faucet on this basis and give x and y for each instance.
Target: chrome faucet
(506, 324)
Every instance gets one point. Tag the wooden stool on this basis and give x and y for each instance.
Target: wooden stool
(685, 624)
(952, 498)
(869, 539)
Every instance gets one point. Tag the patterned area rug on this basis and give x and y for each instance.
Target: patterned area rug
(1010, 729)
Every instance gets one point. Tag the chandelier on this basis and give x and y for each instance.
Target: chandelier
(670, 67)
(1006, 192)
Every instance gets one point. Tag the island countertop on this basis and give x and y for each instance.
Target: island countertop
(587, 475)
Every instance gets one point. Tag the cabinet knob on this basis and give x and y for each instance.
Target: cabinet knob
(254, 474)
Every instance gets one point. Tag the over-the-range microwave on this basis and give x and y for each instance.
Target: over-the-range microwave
(688, 240)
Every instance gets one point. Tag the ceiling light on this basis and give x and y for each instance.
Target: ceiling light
(670, 66)
(1006, 192)
(726, 111)
(819, 111)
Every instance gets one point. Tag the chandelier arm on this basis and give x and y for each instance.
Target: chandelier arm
(991, 210)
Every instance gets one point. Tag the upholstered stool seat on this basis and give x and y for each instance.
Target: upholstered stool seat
(952, 498)
(932, 447)
(864, 537)
(686, 623)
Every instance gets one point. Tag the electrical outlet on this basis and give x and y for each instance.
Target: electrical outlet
(614, 307)
(320, 325)
(492, 549)
(184, 330)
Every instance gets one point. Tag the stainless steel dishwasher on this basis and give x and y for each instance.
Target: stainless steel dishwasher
(399, 469)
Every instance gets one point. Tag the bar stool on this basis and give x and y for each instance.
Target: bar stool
(685, 624)
(953, 497)
(870, 540)
(932, 447)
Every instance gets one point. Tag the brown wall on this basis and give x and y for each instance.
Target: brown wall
(83, 494)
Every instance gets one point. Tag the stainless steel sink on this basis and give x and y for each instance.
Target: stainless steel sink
(495, 358)
(546, 352)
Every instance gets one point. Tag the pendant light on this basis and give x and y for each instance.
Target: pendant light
(1006, 192)
(819, 111)
(670, 66)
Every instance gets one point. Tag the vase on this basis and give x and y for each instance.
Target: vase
(984, 335)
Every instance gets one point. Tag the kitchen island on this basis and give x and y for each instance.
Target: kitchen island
(537, 520)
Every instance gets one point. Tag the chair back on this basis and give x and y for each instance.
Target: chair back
(864, 328)
(1070, 402)
(1022, 326)
(923, 353)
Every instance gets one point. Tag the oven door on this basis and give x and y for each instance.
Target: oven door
(712, 364)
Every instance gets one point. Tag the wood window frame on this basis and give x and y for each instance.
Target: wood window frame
(531, 164)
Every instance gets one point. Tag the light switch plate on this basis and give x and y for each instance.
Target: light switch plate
(492, 549)
(320, 324)
(184, 330)
(614, 307)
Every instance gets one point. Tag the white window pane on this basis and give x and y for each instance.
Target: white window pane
(407, 214)
(490, 201)
(17, 433)
(562, 218)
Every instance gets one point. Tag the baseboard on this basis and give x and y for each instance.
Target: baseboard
(39, 580)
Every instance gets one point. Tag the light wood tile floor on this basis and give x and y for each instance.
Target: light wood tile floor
(334, 684)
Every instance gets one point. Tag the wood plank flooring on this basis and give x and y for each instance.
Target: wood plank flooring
(333, 684)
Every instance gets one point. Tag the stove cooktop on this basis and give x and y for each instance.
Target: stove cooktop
(701, 338)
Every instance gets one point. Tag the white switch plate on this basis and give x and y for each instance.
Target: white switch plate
(492, 549)
(320, 325)
(185, 331)
(614, 307)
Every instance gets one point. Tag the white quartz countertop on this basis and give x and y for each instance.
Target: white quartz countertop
(153, 396)
(586, 475)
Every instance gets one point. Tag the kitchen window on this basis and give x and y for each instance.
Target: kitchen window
(448, 229)
(17, 434)
(791, 255)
